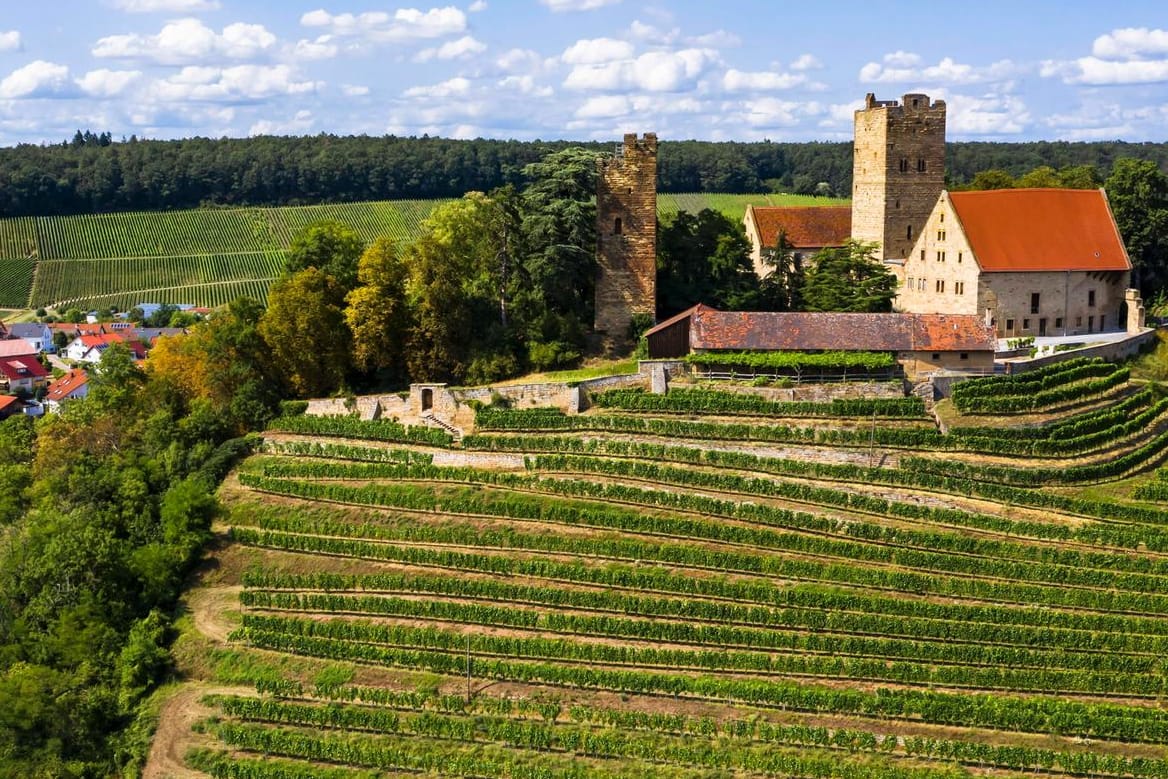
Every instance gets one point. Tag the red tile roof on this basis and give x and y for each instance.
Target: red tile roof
(764, 330)
(6, 401)
(806, 226)
(70, 382)
(15, 368)
(1041, 230)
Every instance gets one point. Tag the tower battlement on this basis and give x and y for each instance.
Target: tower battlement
(898, 170)
(626, 235)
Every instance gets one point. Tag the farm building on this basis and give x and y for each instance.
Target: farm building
(921, 343)
(809, 229)
(1029, 262)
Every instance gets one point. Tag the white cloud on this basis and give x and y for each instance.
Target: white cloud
(655, 71)
(169, 6)
(739, 81)
(405, 24)
(448, 88)
(772, 112)
(187, 41)
(322, 48)
(36, 79)
(900, 67)
(240, 83)
(715, 39)
(990, 114)
(107, 83)
(807, 62)
(604, 107)
(520, 60)
(354, 90)
(595, 50)
(1130, 43)
(560, 6)
(462, 48)
(297, 125)
(477, 6)
(525, 85)
(650, 33)
(10, 40)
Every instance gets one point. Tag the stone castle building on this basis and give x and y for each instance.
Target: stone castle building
(626, 235)
(898, 170)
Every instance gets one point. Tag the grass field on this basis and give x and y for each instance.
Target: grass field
(757, 589)
(198, 256)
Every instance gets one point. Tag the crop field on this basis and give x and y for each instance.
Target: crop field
(128, 258)
(704, 584)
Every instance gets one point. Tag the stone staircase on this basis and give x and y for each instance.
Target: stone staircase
(429, 419)
(926, 392)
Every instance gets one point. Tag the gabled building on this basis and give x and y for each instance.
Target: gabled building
(90, 348)
(72, 386)
(808, 229)
(1028, 262)
(16, 347)
(22, 374)
(39, 336)
(921, 343)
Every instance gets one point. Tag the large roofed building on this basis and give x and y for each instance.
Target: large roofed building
(809, 229)
(1041, 262)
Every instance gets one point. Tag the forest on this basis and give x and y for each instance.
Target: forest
(93, 173)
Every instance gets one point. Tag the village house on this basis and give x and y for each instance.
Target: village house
(90, 348)
(72, 386)
(1030, 262)
(921, 343)
(808, 229)
(39, 336)
(22, 374)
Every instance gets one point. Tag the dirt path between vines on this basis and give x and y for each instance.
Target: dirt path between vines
(175, 735)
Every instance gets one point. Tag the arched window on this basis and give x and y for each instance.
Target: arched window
(616, 226)
(908, 232)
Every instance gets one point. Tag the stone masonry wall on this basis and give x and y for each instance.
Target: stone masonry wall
(898, 170)
(1064, 301)
(626, 236)
(940, 275)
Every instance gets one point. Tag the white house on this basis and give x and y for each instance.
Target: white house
(72, 386)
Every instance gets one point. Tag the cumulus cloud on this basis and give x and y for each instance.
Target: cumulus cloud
(604, 107)
(595, 50)
(297, 125)
(655, 71)
(10, 40)
(767, 112)
(36, 79)
(520, 61)
(1131, 43)
(322, 48)
(107, 83)
(807, 62)
(1131, 55)
(240, 83)
(403, 25)
(902, 66)
(169, 6)
(462, 48)
(525, 85)
(187, 41)
(739, 81)
(449, 88)
(990, 114)
(477, 6)
(560, 6)
(354, 90)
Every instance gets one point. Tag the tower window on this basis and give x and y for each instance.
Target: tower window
(1033, 302)
(921, 164)
(958, 258)
(940, 285)
(898, 202)
(616, 226)
(1091, 297)
(908, 232)
(904, 164)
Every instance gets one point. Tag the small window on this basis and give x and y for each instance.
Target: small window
(959, 288)
(898, 202)
(910, 282)
(940, 256)
(922, 255)
(942, 216)
(908, 232)
(940, 285)
(940, 235)
(1025, 324)
(965, 355)
(958, 258)
(1090, 324)
(616, 226)
(904, 165)
(921, 164)
(1102, 327)
(1034, 302)
(1078, 321)
(936, 356)
(1091, 298)
(1009, 325)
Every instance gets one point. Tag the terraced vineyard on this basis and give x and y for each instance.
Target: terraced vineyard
(128, 258)
(705, 584)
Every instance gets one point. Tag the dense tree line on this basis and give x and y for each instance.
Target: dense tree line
(93, 173)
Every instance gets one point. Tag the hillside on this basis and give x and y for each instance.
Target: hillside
(700, 584)
(211, 256)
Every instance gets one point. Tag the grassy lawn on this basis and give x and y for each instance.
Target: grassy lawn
(591, 370)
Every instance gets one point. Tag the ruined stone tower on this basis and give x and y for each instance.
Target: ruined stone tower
(626, 235)
(898, 170)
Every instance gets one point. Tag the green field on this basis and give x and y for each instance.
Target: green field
(201, 255)
(641, 590)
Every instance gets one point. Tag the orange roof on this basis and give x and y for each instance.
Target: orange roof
(1041, 230)
(7, 400)
(806, 226)
(71, 381)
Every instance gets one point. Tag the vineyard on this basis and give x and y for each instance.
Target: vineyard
(210, 256)
(702, 584)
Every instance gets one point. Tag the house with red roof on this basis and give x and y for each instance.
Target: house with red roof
(808, 229)
(22, 374)
(921, 343)
(72, 386)
(10, 405)
(1028, 262)
(90, 348)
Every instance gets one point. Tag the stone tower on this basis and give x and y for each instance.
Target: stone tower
(898, 171)
(626, 235)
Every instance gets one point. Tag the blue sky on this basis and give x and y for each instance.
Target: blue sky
(577, 69)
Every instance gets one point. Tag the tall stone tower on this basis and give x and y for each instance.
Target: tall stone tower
(898, 171)
(626, 235)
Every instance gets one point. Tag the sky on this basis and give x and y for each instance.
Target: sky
(578, 69)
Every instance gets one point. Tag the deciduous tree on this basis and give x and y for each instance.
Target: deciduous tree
(849, 279)
(305, 331)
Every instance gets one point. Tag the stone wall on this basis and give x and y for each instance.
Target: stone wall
(1113, 351)
(1064, 301)
(898, 170)
(939, 275)
(626, 236)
